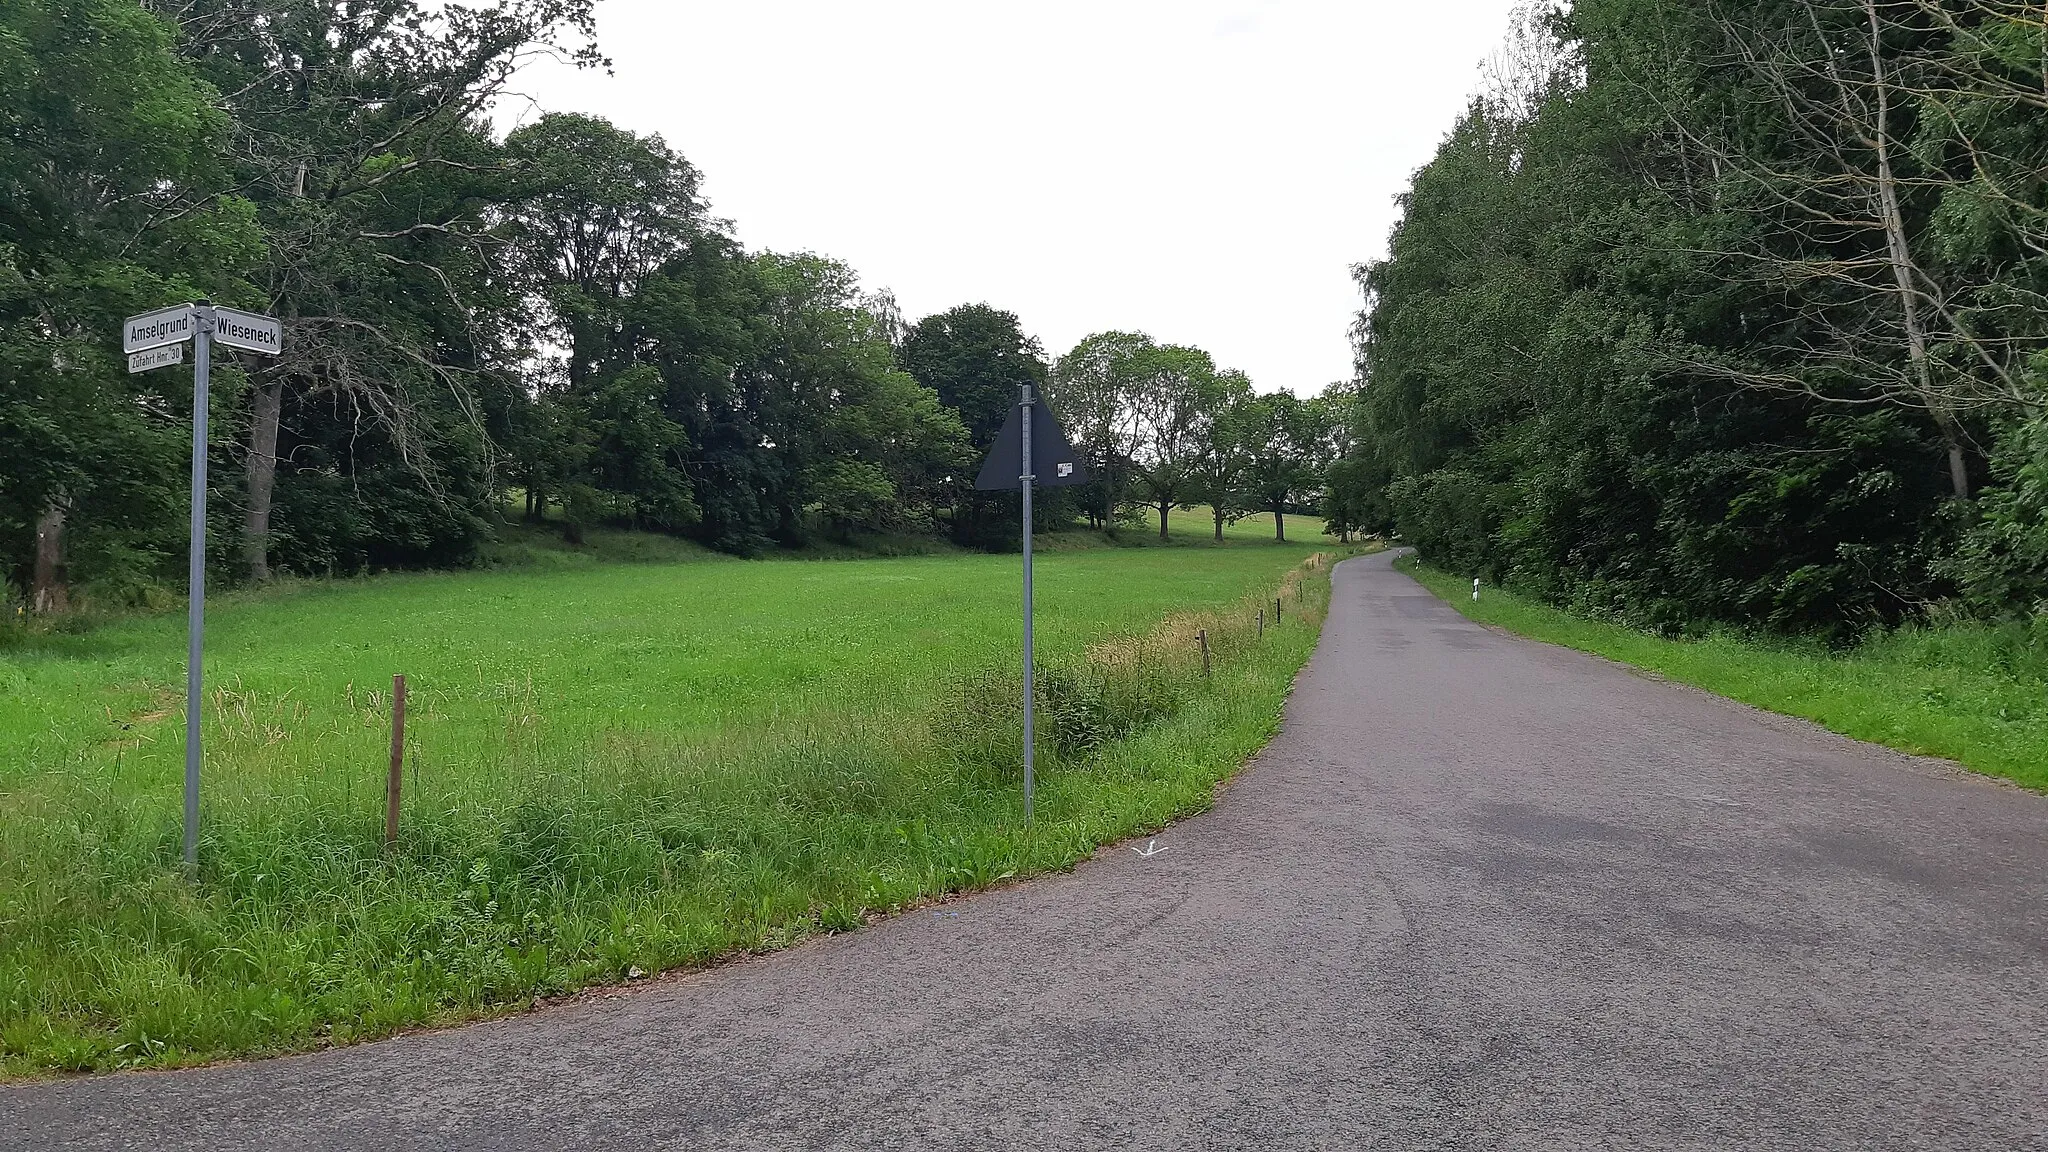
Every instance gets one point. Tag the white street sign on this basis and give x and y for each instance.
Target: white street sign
(156, 329)
(248, 331)
(160, 357)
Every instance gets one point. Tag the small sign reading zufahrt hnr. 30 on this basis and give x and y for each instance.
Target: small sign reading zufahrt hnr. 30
(162, 356)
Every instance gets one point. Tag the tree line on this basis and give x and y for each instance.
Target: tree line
(1727, 312)
(548, 323)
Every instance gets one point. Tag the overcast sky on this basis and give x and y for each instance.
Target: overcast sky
(1202, 170)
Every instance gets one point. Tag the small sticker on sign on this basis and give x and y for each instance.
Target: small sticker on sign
(1067, 468)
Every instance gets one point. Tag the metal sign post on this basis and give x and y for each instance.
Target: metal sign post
(1024, 479)
(155, 340)
(195, 579)
(1030, 437)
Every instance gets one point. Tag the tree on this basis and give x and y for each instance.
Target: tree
(593, 214)
(1355, 477)
(107, 144)
(1175, 393)
(358, 136)
(977, 359)
(1283, 437)
(1551, 358)
(1092, 390)
(860, 440)
(1877, 131)
(1232, 447)
(594, 211)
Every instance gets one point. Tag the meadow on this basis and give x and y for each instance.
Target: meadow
(1973, 693)
(614, 768)
(1196, 523)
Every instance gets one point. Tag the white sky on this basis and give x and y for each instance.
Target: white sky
(1202, 170)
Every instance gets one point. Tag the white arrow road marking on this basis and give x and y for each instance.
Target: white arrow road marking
(1150, 849)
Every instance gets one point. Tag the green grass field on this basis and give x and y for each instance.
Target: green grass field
(1198, 523)
(614, 768)
(1973, 694)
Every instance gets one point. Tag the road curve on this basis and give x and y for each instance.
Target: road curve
(1478, 893)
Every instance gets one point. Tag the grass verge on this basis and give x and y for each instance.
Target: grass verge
(614, 770)
(1971, 694)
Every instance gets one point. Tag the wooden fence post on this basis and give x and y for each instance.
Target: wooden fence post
(1203, 638)
(1276, 611)
(394, 785)
(1262, 621)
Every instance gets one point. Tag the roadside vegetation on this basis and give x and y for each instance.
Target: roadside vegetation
(1973, 693)
(1734, 316)
(613, 769)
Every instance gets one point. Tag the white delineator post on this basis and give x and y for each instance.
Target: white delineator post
(195, 612)
(1024, 482)
(1475, 588)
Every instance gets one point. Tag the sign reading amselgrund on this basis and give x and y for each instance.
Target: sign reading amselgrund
(248, 331)
(173, 325)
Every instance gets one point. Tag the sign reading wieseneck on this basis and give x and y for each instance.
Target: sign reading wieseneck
(247, 330)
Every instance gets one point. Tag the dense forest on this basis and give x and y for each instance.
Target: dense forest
(1727, 312)
(549, 323)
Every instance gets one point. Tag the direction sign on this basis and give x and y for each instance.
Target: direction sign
(159, 357)
(153, 340)
(247, 330)
(172, 325)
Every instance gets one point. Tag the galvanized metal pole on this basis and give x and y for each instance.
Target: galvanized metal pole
(1024, 482)
(195, 611)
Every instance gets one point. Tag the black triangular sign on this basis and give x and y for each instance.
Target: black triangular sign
(1053, 460)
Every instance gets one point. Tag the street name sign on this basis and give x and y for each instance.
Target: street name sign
(173, 325)
(248, 331)
(153, 340)
(162, 356)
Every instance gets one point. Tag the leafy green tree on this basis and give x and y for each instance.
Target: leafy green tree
(702, 320)
(848, 422)
(1175, 395)
(358, 134)
(1228, 458)
(594, 213)
(1560, 365)
(107, 162)
(1092, 389)
(1283, 438)
(977, 359)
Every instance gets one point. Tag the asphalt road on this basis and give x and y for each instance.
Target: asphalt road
(1479, 893)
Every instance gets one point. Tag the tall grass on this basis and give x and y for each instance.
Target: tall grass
(545, 850)
(1973, 693)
